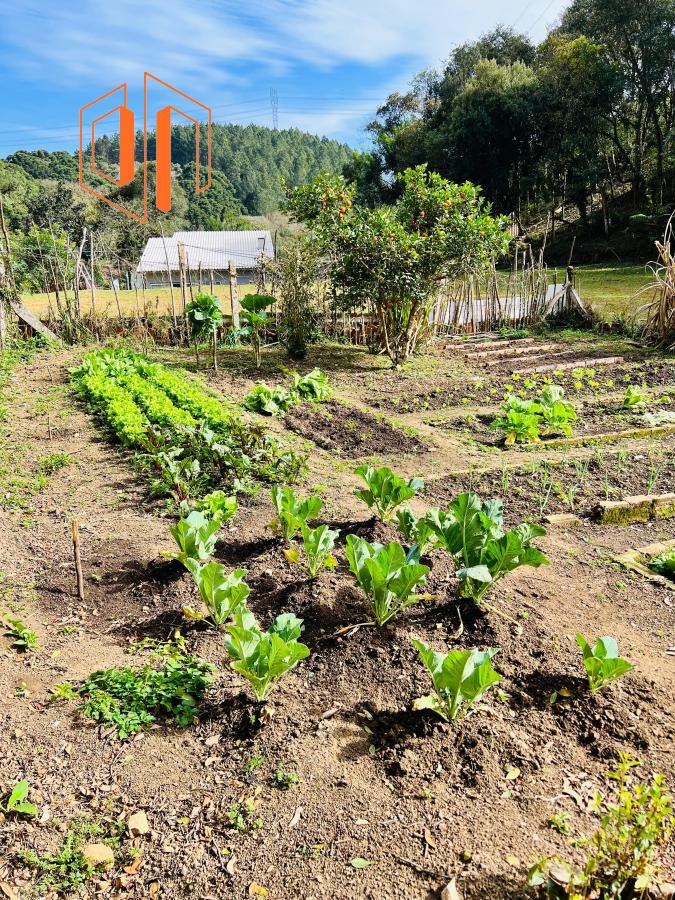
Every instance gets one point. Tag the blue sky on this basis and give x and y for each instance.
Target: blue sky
(331, 62)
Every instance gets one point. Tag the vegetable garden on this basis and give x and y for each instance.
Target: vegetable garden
(344, 631)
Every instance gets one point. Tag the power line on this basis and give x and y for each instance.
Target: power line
(274, 100)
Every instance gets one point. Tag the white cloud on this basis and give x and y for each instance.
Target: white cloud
(104, 42)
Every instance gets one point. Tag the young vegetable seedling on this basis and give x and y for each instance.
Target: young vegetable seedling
(317, 544)
(17, 802)
(386, 575)
(602, 661)
(385, 490)
(460, 678)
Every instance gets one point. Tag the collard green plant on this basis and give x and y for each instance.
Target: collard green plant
(664, 563)
(602, 661)
(253, 312)
(472, 532)
(386, 575)
(317, 544)
(17, 802)
(269, 401)
(196, 536)
(524, 421)
(221, 591)
(263, 657)
(204, 316)
(385, 490)
(635, 397)
(460, 678)
(293, 511)
(313, 386)
(622, 858)
(418, 533)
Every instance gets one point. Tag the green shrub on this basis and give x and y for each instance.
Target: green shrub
(622, 856)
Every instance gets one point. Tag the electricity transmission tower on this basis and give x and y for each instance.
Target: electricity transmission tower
(274, 100)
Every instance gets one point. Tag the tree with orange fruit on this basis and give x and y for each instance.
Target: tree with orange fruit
(395, 257)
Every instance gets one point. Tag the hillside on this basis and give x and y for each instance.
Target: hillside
(251, 159)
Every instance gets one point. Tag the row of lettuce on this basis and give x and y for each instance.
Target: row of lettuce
(189, 440)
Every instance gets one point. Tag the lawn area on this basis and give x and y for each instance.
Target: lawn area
(131, 302)
(611, 289)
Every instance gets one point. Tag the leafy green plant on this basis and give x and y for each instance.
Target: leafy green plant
(221, 592)
(17, 802)
(313, 386)
(171, 685)
(560, 822)
(263, 657)
(196, 537)
(23, 639)
(216, 506)
(417, 532)
(524, 421)
(204, 316)
(622, 856)
(293, 511)
(664, 563)
(385, 490)
(272, 401)
(242, 815)
(285, 779)
(602, 661)
(253, 312)
(67, 871)
(635, 397)
(386, 575)
(460, 678)
(472, 532)
(317, 544)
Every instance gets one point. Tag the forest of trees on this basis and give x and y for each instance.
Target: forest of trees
(584, 119)
(45, 209)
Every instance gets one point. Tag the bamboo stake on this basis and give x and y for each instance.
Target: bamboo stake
(78, 561)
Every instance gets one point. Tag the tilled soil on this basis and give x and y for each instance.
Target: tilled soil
(349, 431)
(420, 800)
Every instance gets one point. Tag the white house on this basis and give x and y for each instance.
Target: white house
(212, 250)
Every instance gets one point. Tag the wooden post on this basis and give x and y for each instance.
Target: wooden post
(92, 274)
(170, 279)
(181, 274)
(234, 300)
(78, 306)
(78, 561)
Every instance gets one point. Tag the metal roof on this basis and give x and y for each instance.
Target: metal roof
(213, 249)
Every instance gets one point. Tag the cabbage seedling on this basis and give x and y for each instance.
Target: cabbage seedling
(472, 532)
(386, 575)
(418, 532)
(196, 537)
(602, 661)
(317, 544)
(385, 490)
(263, 657)
(221, 592)
(460, 678)
(292, 511)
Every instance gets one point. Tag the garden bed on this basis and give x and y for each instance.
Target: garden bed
(388, 799)
(350, 431)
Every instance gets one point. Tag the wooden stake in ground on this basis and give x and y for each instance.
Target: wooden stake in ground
(234, 299)
(78, 561)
